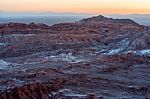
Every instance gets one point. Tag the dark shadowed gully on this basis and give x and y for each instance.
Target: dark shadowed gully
(95, 58)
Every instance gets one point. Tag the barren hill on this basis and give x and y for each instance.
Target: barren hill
(94, 58)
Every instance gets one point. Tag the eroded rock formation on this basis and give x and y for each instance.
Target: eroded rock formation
(95, 58)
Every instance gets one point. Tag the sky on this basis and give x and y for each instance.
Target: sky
(77, 6)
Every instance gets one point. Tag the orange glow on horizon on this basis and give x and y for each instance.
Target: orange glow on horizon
(78, 6)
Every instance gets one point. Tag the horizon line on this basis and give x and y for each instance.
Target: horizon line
(50, 12)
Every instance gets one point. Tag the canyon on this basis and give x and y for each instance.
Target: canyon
(94, 58)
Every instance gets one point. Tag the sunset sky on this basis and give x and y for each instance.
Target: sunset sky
(77, 6)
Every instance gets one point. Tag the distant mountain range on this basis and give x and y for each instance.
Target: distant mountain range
(47, 18)
(53, 18)
(143, 19)
(26, 14)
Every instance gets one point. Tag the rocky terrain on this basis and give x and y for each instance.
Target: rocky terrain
(94, 58)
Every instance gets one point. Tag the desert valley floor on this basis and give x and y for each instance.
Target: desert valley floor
(94, 58)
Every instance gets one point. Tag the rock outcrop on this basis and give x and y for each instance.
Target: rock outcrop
(94, 58)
